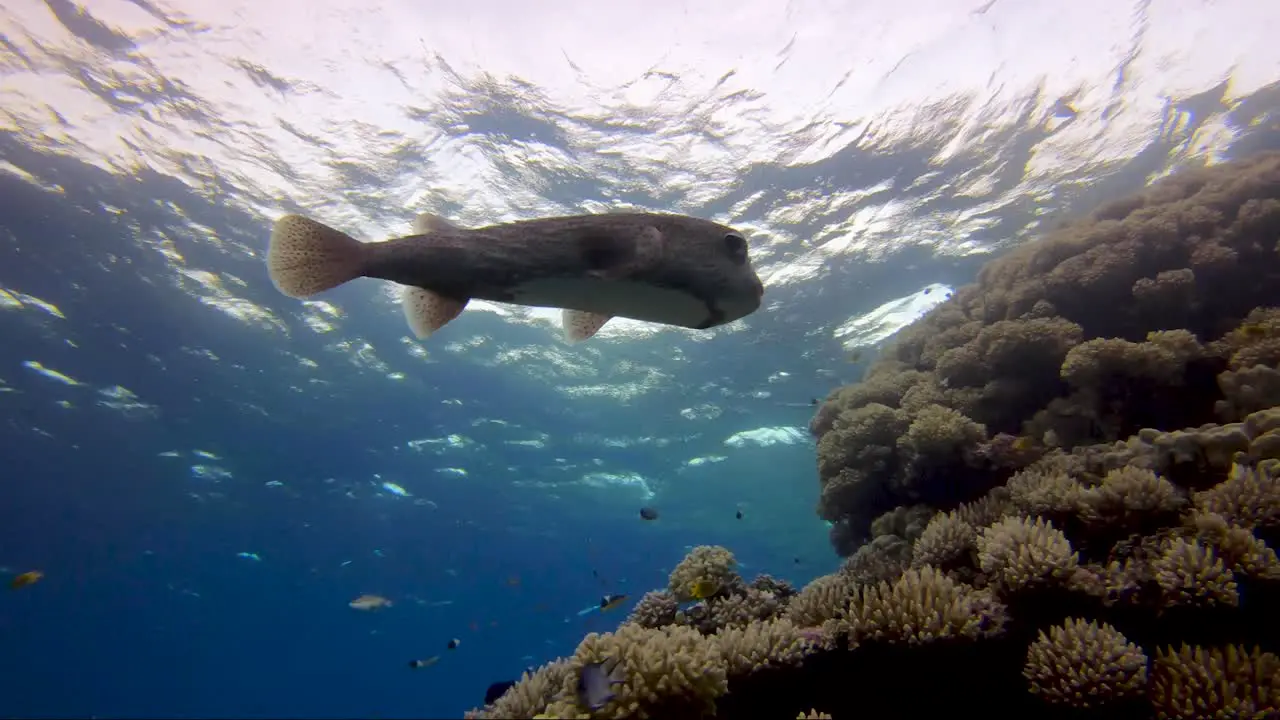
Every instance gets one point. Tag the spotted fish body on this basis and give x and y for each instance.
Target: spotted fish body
(669, 269)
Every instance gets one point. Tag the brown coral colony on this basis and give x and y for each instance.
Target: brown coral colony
(1058, 494)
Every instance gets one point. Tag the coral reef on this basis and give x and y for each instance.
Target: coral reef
(1152, 314)
(1058, 494)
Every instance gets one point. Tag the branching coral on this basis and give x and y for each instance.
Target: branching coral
(920, 607)
(761, 645)
(1018, 553)
(1049, 478)
(1248, 498)
(1084, 664)
(1191, 574)
(671, 670)
(1130, 497)
(1051, 346)
(655, 609)
(704, 564)
(946, 540)
(1203, 684)
(530, 695)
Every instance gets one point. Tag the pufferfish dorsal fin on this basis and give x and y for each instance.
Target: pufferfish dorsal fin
(427, 223)
(580, 325)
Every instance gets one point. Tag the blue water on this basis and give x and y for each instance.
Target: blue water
(147, 608)
(147, 611)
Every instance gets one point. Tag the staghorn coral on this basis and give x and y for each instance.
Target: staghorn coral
(1018, 553)
(705, 563)
(1241, 551)
(530, 695)
(780, 589)
(821, 600)
(920, 607)
(754, 647)
(1191, 574)
(1129, 496)
(1196, 683)
(946, 541)
(1085, 665)
(740, 609)
(1248, 498)
(1044, 492)
(670, 670)
(655, 609)
(884, 558)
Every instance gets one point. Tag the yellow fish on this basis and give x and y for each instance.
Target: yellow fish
(704, 589)
(1023, 443)
(26, 578)
(370, 602)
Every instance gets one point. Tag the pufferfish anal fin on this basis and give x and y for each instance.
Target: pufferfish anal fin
(426, 223)
(427, 312)
(580, 325)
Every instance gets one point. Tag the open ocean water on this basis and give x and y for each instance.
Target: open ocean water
(207, 472)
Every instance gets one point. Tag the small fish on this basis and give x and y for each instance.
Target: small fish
(668, 269)
(453, 644)
(595, 683)
(417, 664)
(797, 560)
(648, 513)
(396, 489)
(249, 556)
(738, 514)
(704, 589)
(1024, 442)
(496, 690)
(30, 577)
(855, 356)
(609, 602)
(369, 602)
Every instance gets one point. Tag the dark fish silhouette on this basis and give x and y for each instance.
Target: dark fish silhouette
(495, 690)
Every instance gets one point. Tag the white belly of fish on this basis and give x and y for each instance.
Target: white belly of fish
(615, 298)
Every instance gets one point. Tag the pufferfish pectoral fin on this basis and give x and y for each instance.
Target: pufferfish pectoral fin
(427, 312)
(580, 325)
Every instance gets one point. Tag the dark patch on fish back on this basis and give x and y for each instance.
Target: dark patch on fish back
(600, 251)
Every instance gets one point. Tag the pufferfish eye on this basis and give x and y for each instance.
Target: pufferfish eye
(736, 245)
